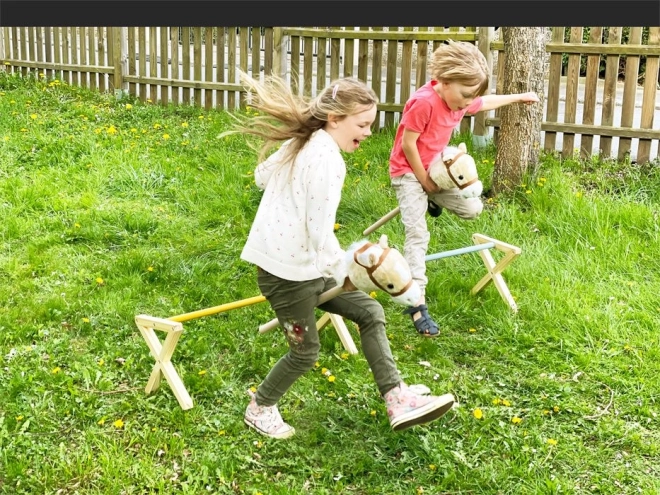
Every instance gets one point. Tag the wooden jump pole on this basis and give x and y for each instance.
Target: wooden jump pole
(217, 309)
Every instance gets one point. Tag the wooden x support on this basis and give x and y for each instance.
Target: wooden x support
(162, 353)
(495, 269)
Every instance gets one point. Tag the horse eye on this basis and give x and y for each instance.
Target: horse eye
(460, 177)
(390, 286)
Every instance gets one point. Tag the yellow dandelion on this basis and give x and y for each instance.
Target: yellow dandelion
(184, 124)
(150, 269)
(528, 191)
(478, 413)
(133, 130)
(331, 378)
(166, 136)
(432, 467)
(372, 294)
(101, 421)
(324, 371)
(157, 125)
(472, 330)
(148, 100)
(555, 409)
(578, 194)
(99, 281)
(118, 424)
(222, 433)
(546, 412)
(56, 370)
(128, 106)
(516, 420)
(201, 117)
(34, 116)
(253, 389)
(497, 401)
(337, 227)
(506, 403)
(19, 417)
(85, 320)
(101, 362)
(6, 138)
(112, 130)
(76, 225)
(552, 441)
(201, 372)
(344, 355)
(373, 412)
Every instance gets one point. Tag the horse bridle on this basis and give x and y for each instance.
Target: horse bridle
(449, 162)
(371, 269)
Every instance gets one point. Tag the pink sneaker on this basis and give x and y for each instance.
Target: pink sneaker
(266, 420)
(406, 407)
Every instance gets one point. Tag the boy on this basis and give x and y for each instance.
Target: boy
(459, 81)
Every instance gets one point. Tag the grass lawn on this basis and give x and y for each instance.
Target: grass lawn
(113, 208)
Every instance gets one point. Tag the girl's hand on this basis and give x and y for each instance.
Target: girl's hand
(348, 285)
(529, 98)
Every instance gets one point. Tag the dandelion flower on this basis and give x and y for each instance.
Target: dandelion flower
(478, 413)
(166, 136)
(253, 389)
(201, 372)
(34, 116)
(99, 281)
(552, 441)
(56, 370)
(555, 409)
(344, 355)
(184, 124)
(516, 420)
(101, 362)
(506, 402)
(118, 424)
(19, 418)
(472, 330)
(331, 378)
(337, 227)
(432, 467)
(372, 294)
(128, 106)
(85, 320)
(101, 421)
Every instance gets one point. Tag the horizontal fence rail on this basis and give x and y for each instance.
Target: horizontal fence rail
(601, 88)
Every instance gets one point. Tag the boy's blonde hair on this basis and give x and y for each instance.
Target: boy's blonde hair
(285, 115)
(463, 63)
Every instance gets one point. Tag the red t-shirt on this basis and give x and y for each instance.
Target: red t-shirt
(428, 114)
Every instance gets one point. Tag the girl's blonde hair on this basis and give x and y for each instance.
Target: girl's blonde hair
(463, 63)
(285, 115)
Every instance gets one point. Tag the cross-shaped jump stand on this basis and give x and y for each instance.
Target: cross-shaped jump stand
(495, 269)
(483, 244)
(162, 352)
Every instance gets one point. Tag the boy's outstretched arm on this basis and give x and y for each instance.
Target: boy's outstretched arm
(491, 102)
(409, 146)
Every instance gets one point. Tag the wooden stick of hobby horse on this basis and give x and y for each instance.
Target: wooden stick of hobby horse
(218, 309)
(382, 221)
(326, 296)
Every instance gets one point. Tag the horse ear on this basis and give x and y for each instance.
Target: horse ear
(462, 147)
(382, 242)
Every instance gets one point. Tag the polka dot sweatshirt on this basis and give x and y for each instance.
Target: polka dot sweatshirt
(292, 236)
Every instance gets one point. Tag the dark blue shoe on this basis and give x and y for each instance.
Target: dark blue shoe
(434, 210)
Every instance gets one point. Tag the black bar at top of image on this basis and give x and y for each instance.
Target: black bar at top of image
(329, 13)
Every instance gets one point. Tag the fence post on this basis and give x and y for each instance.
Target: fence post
(120, 54)
(480, 133)
(2, 45)
(279, 52)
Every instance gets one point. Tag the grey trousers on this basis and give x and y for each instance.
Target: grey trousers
(294, 303)
(413, 203)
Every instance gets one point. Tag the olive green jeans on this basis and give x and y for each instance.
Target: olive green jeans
(294, 303)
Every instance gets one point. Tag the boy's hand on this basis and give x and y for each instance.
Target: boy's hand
(429, 185)
(529, 98)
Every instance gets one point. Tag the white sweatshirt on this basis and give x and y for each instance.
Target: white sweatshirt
(292, 235)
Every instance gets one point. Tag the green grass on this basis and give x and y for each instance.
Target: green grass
(114, 208)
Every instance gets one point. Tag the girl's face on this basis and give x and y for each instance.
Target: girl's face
(456, 96)
(349, 131)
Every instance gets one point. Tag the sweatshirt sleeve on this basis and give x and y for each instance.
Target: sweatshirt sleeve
(265, 169)
(325, 181)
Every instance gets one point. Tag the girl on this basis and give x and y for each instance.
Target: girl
(297, 255)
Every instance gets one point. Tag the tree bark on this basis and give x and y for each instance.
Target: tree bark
(519, 137)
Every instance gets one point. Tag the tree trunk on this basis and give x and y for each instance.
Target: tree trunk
(519, 136)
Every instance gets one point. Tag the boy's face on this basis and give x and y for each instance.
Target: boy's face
(456, 96)
(351, 130)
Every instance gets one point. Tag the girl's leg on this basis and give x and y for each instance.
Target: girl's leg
(368, 314)
(293, 303)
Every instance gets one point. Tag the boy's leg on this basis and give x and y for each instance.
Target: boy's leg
(413, 204)
(451, 199)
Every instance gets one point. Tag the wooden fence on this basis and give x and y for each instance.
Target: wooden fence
(198, 66)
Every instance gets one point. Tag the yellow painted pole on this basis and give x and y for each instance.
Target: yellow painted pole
(218, 309)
